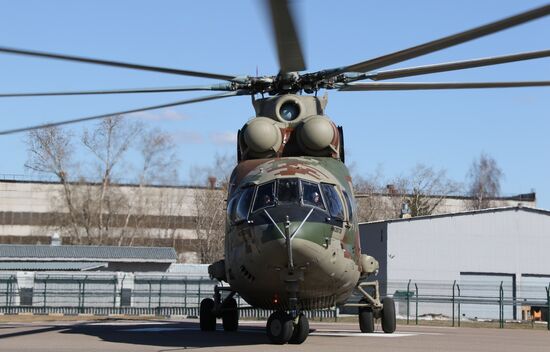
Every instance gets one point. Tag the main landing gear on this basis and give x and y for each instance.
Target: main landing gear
(370, 308)
(281, 328)
(226, 309)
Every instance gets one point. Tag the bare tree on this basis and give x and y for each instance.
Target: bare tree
(425, 189)
(484, 181)
(210, 207)
(97, 209)
(50, 152)
(369, 194)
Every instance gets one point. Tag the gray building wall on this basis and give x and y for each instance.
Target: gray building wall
(477, 249)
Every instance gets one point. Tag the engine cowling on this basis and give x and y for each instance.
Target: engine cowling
(262, 136)
(316, 135)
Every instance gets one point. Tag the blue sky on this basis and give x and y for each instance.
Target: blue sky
(388, 130)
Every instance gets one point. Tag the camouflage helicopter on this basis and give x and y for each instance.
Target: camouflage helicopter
(292, 240)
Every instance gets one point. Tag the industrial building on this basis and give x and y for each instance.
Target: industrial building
(477, 251)
(32, 211)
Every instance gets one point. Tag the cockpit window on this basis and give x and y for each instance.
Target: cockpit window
(334, 203)
(312, 195)
(288, 191)
(350, 206)
(265, 196)
(243, 205)
(231, 204)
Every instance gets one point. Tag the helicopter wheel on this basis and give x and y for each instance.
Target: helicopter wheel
(301, 330)
(366, 320)
(279, 327)
(207, 316)
(388, 315)
(230, 315)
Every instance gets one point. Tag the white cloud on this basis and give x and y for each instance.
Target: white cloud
(187, 137)
(227, 137)
(162, 115)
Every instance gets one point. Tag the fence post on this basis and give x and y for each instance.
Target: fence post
(9, 292)
(149, 282)
(79, 294)
(501, 306)
(200, 284)
(454, 285)
(458, 289)
(121, 289)
(185, 293)
(408, 300)
(115, 281)
(416, 309)
(160, 291)
(45, 291)
(83, 293)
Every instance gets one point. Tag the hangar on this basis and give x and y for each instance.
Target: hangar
(479, 250)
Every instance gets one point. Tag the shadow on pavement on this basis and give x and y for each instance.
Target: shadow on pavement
(170, 334)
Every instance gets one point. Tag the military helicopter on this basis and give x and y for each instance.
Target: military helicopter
(292, 239)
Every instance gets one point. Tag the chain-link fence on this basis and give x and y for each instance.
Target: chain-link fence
(464, 300)
(100, 293)
(103, 293)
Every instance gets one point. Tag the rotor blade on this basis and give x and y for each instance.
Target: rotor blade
(115, 63)
(420, 86)
(442, 43)
(288, 45)
(217, 87)
(451, 66)
(147, 108)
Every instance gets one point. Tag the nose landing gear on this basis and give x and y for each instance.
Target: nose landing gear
(281, 328)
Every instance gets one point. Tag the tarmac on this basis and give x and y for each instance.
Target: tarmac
(179, 335)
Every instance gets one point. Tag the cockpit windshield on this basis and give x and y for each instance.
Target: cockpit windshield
(288, 191)
(312, 194)
(265, 196)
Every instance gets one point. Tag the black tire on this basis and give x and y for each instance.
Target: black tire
(230, 315)
(301, 331)
(388, 315)
(279, 328)
(207, 317)
(366, 320)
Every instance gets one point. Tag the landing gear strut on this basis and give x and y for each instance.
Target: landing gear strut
(371, 308)
(226, 309)
(292, 327)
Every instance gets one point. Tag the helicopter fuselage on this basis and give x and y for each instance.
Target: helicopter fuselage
(291, 228)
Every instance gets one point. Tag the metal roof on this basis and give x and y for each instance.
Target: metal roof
(51, 266)
(10, 252)
(462, 213)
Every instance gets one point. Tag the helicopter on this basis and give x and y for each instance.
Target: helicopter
(292, 239)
